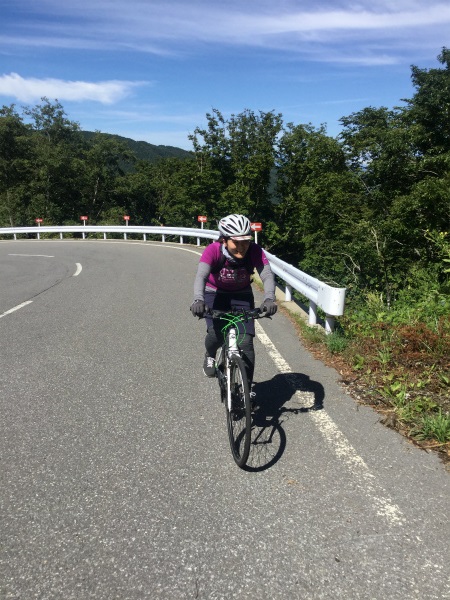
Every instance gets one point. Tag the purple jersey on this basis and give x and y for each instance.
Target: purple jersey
(232, 279)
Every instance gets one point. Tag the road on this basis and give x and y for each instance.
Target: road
(117, 481)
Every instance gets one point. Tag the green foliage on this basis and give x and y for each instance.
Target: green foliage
(142, 150)
(434, 427)
(336, 342)
(441, 242)
(428, 109)
(239, 155)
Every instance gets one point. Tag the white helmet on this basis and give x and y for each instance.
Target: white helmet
(236, 227)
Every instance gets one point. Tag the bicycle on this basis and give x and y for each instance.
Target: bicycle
(233, 382)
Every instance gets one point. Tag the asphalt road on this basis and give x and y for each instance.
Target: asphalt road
(117, 481)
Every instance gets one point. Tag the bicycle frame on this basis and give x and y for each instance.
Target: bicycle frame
(231, 345)
(233, 382)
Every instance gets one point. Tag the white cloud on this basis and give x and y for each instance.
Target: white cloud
(341, 20)
(160, 27)
(30, 89)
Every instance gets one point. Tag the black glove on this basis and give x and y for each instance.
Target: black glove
(198, 308)
(268, 307)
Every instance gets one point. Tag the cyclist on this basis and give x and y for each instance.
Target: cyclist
(223, 281)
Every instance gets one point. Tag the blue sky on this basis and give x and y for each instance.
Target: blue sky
(151, 69)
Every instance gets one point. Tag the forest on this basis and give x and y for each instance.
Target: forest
(368, 210)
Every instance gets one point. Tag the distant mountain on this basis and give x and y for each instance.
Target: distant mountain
(144, 150)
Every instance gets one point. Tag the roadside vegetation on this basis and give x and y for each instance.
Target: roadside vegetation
(396, 360)
(368, 210)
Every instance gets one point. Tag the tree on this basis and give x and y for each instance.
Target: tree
(318, 207)
(137, 194)
(380, 150)
(428, 118)
(104, 160)
(240, 153)
(56, 147)
(381, 154)
(172, 182)
(429, 109)
(15, 154)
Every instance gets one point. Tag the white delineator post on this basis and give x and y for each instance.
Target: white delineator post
(126, 218)
(38, 221)
(84, 219)
(255, 227)
(202, 219)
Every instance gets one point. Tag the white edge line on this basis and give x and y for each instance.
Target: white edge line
(34, 255)
(335, 438)
(338, 442)
(133, 243)
(11, 310)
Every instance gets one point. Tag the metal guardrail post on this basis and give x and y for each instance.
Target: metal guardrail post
(329, 324)
(288, 293)
(312, 313)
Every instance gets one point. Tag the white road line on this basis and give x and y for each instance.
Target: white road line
(148, 244)
(41, 255)
(78, 271)
(337, 441)
(11, 310)
(134, 243)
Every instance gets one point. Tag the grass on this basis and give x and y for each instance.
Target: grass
(397, 361)
(435, 426)
(336, 342)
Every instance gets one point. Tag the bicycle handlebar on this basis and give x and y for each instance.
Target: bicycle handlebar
(253, 313)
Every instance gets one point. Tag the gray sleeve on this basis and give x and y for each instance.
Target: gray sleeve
(268, 279)
(203, 272)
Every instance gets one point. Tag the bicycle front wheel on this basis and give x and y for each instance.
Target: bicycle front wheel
(239, 420)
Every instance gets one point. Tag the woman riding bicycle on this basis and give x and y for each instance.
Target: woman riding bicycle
(223, 282)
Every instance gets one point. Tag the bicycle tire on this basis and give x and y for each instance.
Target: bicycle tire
(239, 420)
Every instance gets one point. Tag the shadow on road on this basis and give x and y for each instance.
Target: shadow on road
(268, 436)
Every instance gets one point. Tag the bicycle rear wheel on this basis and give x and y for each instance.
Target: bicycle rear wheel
(239, 420)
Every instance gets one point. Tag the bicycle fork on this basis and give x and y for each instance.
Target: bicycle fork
(224, 377)
(232, 349)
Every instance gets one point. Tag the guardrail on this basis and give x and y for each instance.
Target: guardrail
(330, 299)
